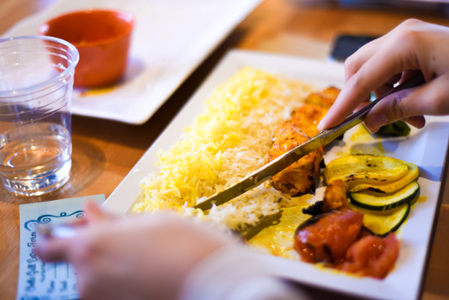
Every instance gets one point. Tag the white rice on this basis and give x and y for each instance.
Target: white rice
(228, 141)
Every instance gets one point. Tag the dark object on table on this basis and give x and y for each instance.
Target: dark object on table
(345, 45)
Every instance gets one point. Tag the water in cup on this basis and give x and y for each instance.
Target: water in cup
(36, 82)
(39, 155)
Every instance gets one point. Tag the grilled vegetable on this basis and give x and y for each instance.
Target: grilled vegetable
(327, 237)
(387, 186)
(398, 128)
(370, 168)
(371, 256)
(362, 172)
(383, 222)
(381, 201)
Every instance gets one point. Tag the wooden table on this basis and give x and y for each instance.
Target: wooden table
(104, 151)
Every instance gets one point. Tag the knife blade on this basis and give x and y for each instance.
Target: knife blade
(321, 139)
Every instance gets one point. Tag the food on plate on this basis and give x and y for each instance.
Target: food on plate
(298, 178)
(382, 223)
(371, 256)
(324, 98)
(327, 235)
(380, 201)
(381, 173)
(345, 236)
(253, 118)
(335, 236)
(308, 117)
(365, 169)
(374, 251)
(230, 139)
(383, 212)
(395, 129)
(334, 198)
(278, 239)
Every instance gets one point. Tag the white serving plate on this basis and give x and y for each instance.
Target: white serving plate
(426, 148)
(171, 38)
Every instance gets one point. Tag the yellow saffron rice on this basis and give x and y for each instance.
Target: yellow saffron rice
(229, 140)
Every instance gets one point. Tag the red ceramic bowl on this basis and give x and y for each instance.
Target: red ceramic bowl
(102, 38)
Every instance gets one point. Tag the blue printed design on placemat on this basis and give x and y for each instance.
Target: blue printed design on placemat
(45, 219)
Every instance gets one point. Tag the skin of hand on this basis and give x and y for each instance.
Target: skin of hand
(412, 46)
(141, 257)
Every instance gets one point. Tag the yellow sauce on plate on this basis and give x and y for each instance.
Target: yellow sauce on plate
(421, 199)
(278, 239)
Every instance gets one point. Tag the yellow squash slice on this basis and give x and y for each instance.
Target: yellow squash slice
(361, 172)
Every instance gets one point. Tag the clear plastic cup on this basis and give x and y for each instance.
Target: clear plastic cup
(36, 83)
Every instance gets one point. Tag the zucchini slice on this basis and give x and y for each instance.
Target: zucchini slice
(383, 222)
(381, 201)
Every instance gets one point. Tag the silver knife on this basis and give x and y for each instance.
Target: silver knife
(321, 139)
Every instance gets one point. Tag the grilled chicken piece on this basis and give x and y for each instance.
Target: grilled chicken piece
(326, 237)
(307, 118)
(299, 178)
(331, 92)
(324, 99)
(335, 196)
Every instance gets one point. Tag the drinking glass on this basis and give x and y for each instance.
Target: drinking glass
(36, 83)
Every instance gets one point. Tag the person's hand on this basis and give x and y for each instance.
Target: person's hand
(141, 257)
(412, 46)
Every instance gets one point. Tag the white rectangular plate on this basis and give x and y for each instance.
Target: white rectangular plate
(171, 38)
(426, 148)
